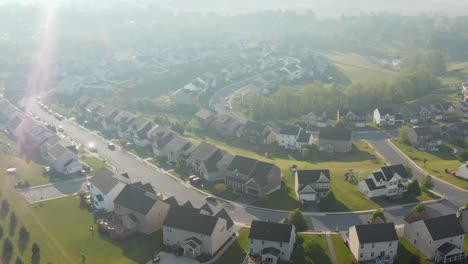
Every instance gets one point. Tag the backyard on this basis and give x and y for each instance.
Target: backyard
(436, 162)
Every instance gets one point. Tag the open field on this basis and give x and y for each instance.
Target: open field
(363, 160)
(436, 162)
(457, 72)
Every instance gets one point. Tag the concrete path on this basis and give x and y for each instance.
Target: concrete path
(54, 190)
(331, 248)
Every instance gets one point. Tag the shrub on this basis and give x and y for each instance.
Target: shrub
(379, 213)
(413, 188)
(220, 188)
(427, 183)
(298, 220)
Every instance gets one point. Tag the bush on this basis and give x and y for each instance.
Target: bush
(36, 254)
(219, 188)
(5, 208)
(463, 156)
(420, 208)
(379, 213)
(413, 188)
(427, 183)
(409, 171)
(7, 250)
(13, 223)
(19, 260)
(23, 238)
(328, 202)
(298, 220)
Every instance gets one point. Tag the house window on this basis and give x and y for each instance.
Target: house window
(263, 242)
(373, 245)
(281, 244)
(390, 244)
(361, 255)
(269, 260)
(362, 245)
(372, 254)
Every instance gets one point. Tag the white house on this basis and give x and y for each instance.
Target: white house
(288, 136)
(373, 242)
(439, 238)
(385, 116)
(63, 160)
(465, 91)
(104, 188)
(271, 241)
(463, 171)
(196, 232)
(294, 71)
(318, 119)
(311, 185)
(387, 181)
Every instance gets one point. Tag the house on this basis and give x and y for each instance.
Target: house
(178, 149)
(353, 118)
(315, 118)
(387, 181)
(304, 139)
(91, 110)
(288, 135)
(123, 121)
(294, 71)
(439, 238)
(335, 140)
(139, 129)
(104, 188)
(105, 117)
(182, 97)
(437, 112)
(209, 162)
(252, 177)
(196, 233)
(139, 208)
(35, 137)
(450, 111)
(376, 243)
(385, 116)
(271, 241)
(458, 132)
(63, 160)
(257, 133)
(462, 108)
(51, 142)
(463, 171)
(205, 117)
(427, 136)
(81, 104)
(226, 125)
(311, 185)
(418, 114)
(159, 144)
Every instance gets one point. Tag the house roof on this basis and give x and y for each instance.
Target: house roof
(177, 143)
(371, 185)
(123, 116)
(204, 114)
(332, 133)
(93, 106)
(224, 215)
(385, 111)
(379, 176)
(106, 111)
(305, 177)
(270, 231)
(446, 248)
(136, 199)
(390, 171)
(146, 187)
(188, 204)
(84, 100)
(415, 216)
(243, 165)
(53, 140)
(103, 180)
(304, 136)
(254, 126)
(374, 233)
(190, 219)
(57, 151)
(206, 208)
(290, 130)
(141, 123)
(203, 151)
(271, 251)
(164, 140)
(261, 172)
(444, 227)
(171, 200)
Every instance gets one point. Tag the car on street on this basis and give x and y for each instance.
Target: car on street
(92, 147)
(60, 129)
(210, 199)
(111, 146)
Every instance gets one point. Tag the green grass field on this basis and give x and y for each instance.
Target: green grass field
(343, 254)
(94, 163)
(436, 163)
(457, 72)
(314, 250)
(236, 253)
(406, 251)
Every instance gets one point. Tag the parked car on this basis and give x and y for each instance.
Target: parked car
(111, 146)
(92, 147)
(156, 259)
(60, 129)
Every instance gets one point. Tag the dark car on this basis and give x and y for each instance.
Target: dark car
(111, 146)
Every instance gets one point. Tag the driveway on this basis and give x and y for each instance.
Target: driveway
(167, 258)
(54, 190)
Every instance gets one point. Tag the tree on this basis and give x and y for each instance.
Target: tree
(5, 208)
(403, 135)
(424, 162)
(379, 213)
(83, 258)
(463, 156)
(413, 188)
(7, 250)
(23, 238)
(328, 203)
(466, 204)
(305, 152)
(36, 254)
(1, 232)
(19, 260)
(13, 223)
(298, 220)
(427, 183)
(219, 188)
(409, 171)
(420, 208)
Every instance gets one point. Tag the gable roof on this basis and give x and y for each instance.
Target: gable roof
(444, 227)
(390, 171)
(374, 233)
(224, 214)
(332, 133)
(304, 136)
(136, 199)
(261, 172)
(103, 180)
(171, 200)
(305, 177)
(211, 164)
(270, 231)
(107, 111)
(244, 165)
(447, 247)
(385, 111)
(204, 114)
(206, 208)
(57, 151)
(290, 130)
(190, 219)
(371, 185)
(203, 151)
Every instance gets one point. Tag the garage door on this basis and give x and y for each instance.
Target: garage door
(308, 197)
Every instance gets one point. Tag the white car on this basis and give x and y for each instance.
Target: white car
(92, 147)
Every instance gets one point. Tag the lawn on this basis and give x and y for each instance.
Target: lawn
(363, 160)
(236, 253)
(406, 251)
(457, 72)
(358, 68)
(436, 163)
(93, 162)
(313, 250)
(343, 254)
(25, 170)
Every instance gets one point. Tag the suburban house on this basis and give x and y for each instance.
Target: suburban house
(463, 171)
(390, 181)
(426, 137)
(81, 104)
(182, 97)
(205, 117)
(271, 241)
(105, 117)
(450, 111)
(139, 129)
(195, 232)
(353, 118)
(335, 140)
(104, 188)
(91, 110)
(288, 135)
(178, 149)
(375, 243)
(63, 160)
(294, 71)
(311, 185)
(386, 117)
(252, 177)
(160, 142)
(438, 238)
(462, 109)
(52, 142)
(437, 112)
(315, 118)
(227, 125)
(35, 137)
(123, 121)
(139, 208)
(257, 133)
(209, 162)
(418, 114)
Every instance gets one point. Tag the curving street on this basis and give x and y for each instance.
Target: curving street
(167, 185)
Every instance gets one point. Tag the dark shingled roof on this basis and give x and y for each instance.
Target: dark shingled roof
(171, 200)
(270, 231)
(224, 214)
(242, 164)
(260, 172)
(333, 133)
(135, 199)
(206, 208)
(271, 250)
(212, 162)
(188, 204)
(389, 171)
(255, 126)
(304, 137)
(444, 227)
(446, 248)
(379, 176)
(305, 177)
(203, 151)
(374, 233)
(103, 180)
(290, 130)
(190, 219)
(371, 185)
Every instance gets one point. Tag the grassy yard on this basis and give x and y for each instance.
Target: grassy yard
(63, 238)
(313, 250)
(25, 170)
(94, 163)
(406, 252)
(358, 68)
(236, 253)
(436, 163)
(363, 160)
(457, 72)
(343, 254)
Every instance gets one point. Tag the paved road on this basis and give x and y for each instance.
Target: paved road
(140, 171)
